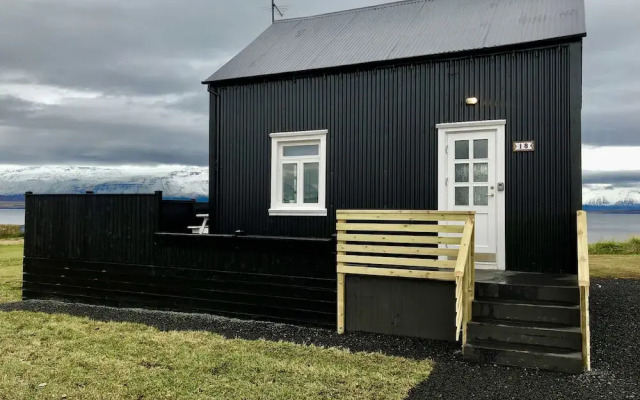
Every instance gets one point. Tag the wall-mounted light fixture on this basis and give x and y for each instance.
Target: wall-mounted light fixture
(471, 101)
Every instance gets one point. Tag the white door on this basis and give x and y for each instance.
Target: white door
(472, 174)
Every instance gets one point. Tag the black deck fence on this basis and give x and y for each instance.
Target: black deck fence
(111, 250)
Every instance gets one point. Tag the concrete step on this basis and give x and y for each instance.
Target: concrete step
(526, 333)
(567, 315)
(561, 294)
(540, 357)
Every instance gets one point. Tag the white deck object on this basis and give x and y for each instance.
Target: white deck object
(203, 228)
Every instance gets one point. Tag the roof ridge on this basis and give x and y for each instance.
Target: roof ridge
(353, 10)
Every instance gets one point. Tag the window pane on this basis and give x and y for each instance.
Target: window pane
(302, 150)
(289, 183)
(481, 148)
(462, 196)
(462, 172)
(480, 172)
(311, 174)
(462, 149)
(480, 196)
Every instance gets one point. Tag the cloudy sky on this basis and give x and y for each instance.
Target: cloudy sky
(118, 82)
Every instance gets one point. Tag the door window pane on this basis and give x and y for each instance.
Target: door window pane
(462, 172)
(289, 183)
(311, 173)
(462, 149)
(302, 150)
(462, 196)
(481, 148)
(480, 196)
(480, 172)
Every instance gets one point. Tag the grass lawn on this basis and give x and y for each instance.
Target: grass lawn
(610, 259)
(46, 356)
(615, 266)
(10, 271)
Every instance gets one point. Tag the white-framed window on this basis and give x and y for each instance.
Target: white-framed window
(298, 173)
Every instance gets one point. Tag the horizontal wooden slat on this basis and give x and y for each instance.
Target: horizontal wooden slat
(407, 262)
(349, 237)
(401, 273)
(403, 217)
(367, 248)
(467, 213)
(400, 228)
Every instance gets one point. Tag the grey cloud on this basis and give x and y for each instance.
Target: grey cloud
(153, 49)
(610, 73)
(612, 178)
(136, 54)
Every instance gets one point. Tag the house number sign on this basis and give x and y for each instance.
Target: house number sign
(529, 145)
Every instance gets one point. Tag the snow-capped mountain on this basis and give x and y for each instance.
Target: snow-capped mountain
(174, 180)
(180, 181)
(607, 195)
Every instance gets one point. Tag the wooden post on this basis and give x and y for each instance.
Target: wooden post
(584, 324)
(472, 267)
(467, 298)
(584, 281)
(340, 288)
(340, 303)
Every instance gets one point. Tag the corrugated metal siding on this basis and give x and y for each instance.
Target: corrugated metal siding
(402, 30)
(382, 152)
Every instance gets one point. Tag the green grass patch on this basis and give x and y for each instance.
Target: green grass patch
(50, 356)
(10, 232)
(614, 266)
(631, 246)
(10, 272)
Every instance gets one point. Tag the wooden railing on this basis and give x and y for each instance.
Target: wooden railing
(465, 275)
(408, 244)
(584, 283)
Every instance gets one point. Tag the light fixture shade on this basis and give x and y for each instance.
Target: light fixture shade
(471, 101)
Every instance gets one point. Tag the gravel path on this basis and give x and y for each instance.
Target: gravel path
(615, 324)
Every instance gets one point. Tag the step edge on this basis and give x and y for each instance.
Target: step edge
(497, 301)
(570, 287)
(510, 324)
(507, 300)
(540, 350)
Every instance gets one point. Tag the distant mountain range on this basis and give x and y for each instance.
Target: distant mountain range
(629, 202)
(174, 181)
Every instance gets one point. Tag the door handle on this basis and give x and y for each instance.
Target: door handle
(491, 195)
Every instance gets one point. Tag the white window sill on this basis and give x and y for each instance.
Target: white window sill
(298, 212)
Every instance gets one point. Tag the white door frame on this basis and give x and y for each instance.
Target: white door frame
(469, 127)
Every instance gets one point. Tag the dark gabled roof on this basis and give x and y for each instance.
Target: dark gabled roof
(405, 29)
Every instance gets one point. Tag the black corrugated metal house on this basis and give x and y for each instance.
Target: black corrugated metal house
(410, 105)
(468, 107)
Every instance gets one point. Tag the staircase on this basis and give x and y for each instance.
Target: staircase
(526, 320)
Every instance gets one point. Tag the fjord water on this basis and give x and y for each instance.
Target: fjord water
(9, 216)
(619, 227)
(601, 226)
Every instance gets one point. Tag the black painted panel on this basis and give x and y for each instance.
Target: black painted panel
(382, 143)
(399, 306)
(106, 249)
(108, 228)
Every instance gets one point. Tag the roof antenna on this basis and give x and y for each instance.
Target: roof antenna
(275, 8)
